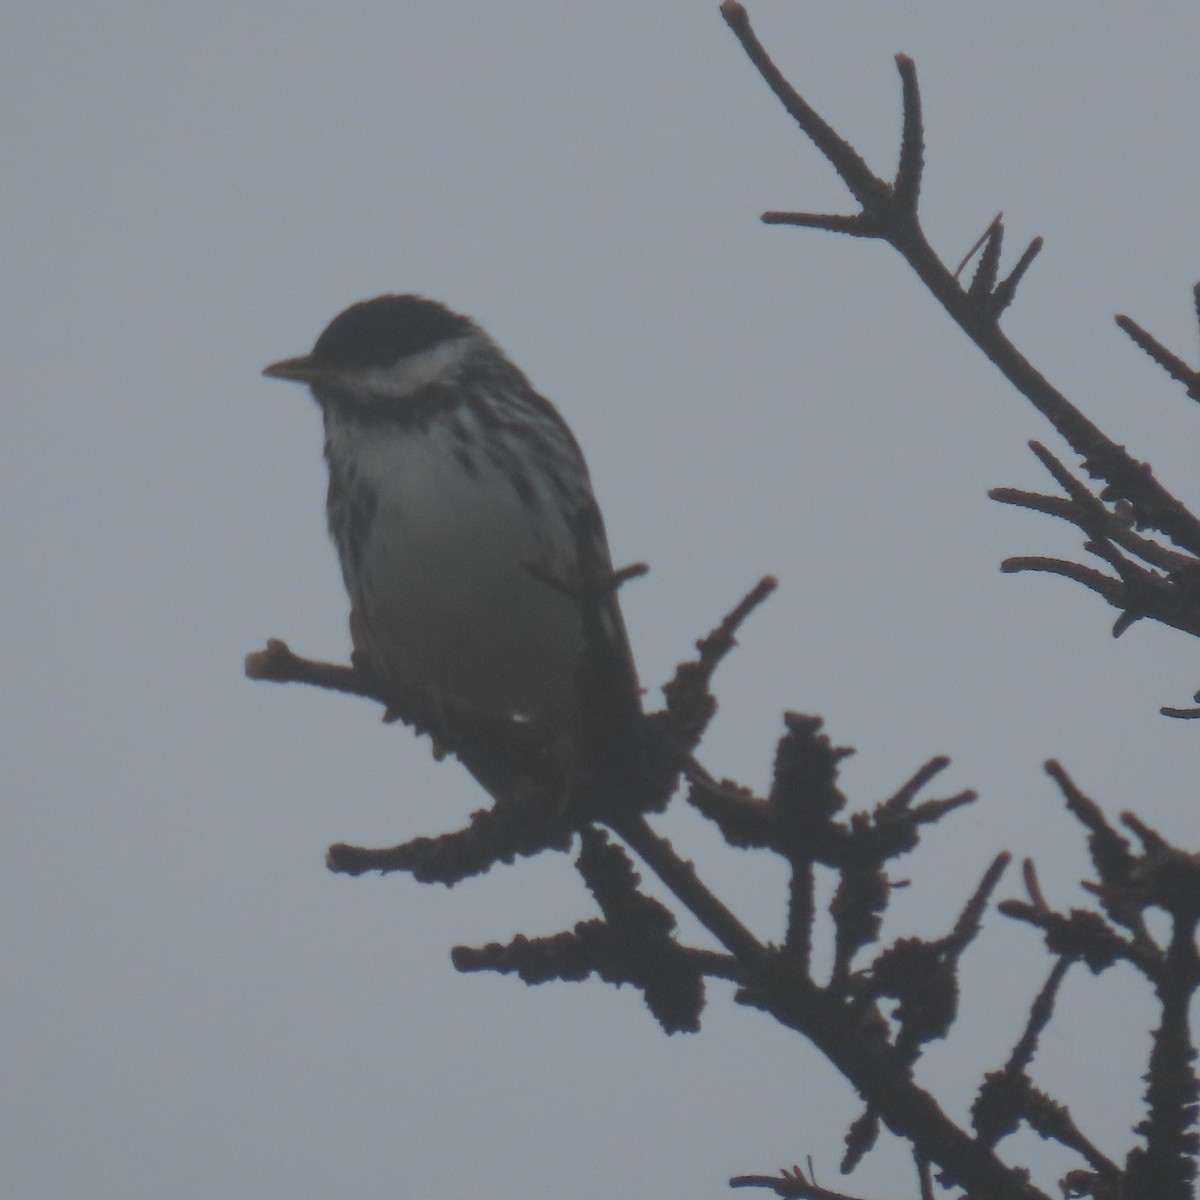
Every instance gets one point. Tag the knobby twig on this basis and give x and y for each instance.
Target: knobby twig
(1170, 362)
(1130, 496)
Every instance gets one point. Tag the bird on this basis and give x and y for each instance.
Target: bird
(470, 541)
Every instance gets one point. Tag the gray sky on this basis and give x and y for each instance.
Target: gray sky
(192, 1006)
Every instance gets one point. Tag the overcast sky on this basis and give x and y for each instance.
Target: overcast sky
(192, 1006)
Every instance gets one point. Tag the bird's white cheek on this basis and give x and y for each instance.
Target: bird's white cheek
(441, 365)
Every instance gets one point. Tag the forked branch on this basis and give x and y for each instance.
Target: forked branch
(1129, 497)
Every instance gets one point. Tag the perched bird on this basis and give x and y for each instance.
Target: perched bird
(470, 542)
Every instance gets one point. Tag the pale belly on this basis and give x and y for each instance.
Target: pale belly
(448, 603)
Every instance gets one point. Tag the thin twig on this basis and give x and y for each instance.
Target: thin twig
(889, 212)
(855, 174)
(1170, 362)
(681, 878)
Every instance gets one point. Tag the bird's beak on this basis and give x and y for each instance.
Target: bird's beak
(303, 369)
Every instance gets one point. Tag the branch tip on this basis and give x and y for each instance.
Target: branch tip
(1007, 290)
(906, 190)
(1169, 361)
(994, 229)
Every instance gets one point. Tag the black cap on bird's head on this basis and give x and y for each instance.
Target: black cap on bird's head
(374, 333)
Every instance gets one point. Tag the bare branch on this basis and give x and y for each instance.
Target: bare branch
(966, 928)
(863, 185)
(1006, 291)
(1103, 585)
(277, 664)
(690, 704)
(1171, 363)
(1183, 714)
(983, 282)
(906, 793)
(494, 835)
(1008, 1097)
(891, 215)
(791, 1185)
(907, 186)
(681, 878)
(856, 224)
